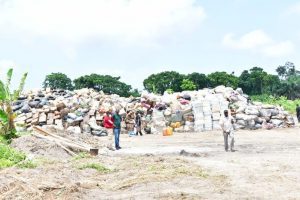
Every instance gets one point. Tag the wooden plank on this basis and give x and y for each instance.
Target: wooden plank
(54, 140)
(40, 130)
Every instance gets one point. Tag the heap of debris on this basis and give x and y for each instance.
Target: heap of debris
(82, 110)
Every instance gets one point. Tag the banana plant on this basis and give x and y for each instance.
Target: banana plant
(7, 116)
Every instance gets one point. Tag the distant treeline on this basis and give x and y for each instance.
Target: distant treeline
(254, 81)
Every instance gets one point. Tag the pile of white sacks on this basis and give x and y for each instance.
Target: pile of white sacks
(205, 108)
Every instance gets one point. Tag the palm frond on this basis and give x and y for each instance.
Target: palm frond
(3, 117)
(9, 75)
(21, 87)
(2, 91)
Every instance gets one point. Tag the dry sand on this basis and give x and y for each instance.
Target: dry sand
(266, 165)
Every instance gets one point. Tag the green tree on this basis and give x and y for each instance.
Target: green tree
(58, 81)
(257, 81)
(222, 78)
(135, 93)
(271, 84)
(287, 70)
(290, 88)
(108, 84)
(244, 82)
(187, 85)
(200, 80)
(7, 115)
(257, 76)
(159, 83)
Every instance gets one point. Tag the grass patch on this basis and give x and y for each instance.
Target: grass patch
(29, 164)
(9, 156)
(82, 155)
(156, 169)
(3, 140)
(96, 166)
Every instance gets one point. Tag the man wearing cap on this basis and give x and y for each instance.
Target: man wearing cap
(226, 124)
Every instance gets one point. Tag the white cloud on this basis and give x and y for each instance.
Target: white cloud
(78, 20)
(250, 40)
(259, 41)
(279, 49)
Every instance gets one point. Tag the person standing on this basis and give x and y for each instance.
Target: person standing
(129, 120)
(298, 112)
(138, 124)
(117, 128)
(226, 124)
(108, 124)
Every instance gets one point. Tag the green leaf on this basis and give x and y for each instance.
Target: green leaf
(2, 91)
(9, 75)
(21, 87)
(3, 117)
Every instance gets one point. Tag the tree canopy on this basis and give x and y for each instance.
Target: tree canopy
(187, 84)
(255, 81)
(200, 80)
(58, 81)
(222, 78)
(108, 84)
(159, 83)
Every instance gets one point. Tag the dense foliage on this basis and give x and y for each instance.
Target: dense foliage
(187, 84)
(106, 83)
(222, 78)
(159, 83)
(58, 81)
(255, 81)
(7, 116)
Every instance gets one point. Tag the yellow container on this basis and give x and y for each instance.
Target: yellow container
(175, 125)
(168, 131)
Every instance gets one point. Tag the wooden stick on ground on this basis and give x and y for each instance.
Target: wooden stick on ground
(42, 131)
(71, 145)
(67, 150)
(64, 141)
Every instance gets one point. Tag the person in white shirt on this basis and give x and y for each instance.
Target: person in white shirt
(226, 124)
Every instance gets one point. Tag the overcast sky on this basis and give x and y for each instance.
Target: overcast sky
(135, 38)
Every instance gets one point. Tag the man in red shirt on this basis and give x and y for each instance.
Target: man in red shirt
(108, 124)
(107, 121)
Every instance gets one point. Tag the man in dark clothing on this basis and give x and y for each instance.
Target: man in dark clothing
(298, 112)
(138, 124)
(117, 128)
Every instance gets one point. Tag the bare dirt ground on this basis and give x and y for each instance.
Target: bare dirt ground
(266, 165)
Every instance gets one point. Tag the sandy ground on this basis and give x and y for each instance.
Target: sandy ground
(266, 165)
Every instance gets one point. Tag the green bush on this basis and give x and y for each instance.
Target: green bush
(9, 156)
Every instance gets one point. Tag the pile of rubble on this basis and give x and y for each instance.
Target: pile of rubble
(82, 110)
